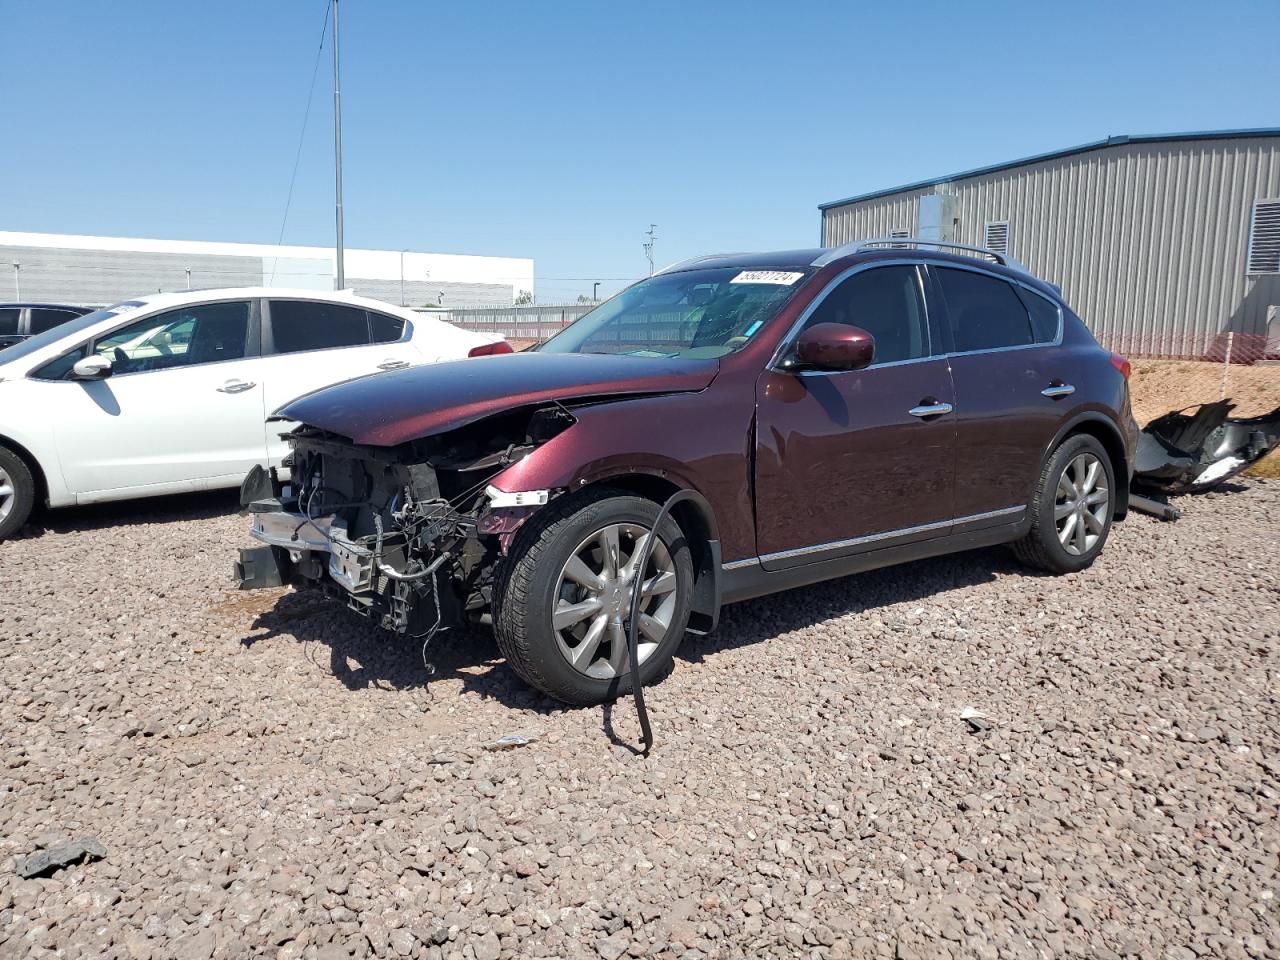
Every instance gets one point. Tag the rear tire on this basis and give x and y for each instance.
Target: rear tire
(17, 493)
(1072, 509)
(561, 599)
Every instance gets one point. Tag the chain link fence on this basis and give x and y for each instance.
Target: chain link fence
(1171, 372)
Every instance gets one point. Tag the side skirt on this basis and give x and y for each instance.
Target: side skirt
(745, 580)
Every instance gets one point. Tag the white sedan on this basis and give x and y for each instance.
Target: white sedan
(170, 393)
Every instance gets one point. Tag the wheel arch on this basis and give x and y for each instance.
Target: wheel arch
(37, 471)
(1102, 429)
(698, 522)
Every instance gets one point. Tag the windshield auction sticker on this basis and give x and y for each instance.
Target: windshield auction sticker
(767, 276)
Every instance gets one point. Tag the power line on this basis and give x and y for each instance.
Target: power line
(306, 115)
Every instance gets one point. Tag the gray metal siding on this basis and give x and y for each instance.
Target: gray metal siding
(98, 277)
(1147, 240)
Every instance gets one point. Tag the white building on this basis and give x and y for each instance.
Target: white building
(66, 268)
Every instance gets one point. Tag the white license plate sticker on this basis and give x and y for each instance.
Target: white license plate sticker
(779, 277)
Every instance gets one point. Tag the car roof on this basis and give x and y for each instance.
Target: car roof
(181, 297)
(803, 260)
(32, 304)
(773, 259)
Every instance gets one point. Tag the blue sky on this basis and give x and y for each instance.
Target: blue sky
(561, 130)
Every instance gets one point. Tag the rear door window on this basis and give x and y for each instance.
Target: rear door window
(886, 302)
(9, 317)
(298, 325)
(984, 311)
(43, 318)
(385, 329)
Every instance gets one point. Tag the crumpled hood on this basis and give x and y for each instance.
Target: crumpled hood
(387, 409)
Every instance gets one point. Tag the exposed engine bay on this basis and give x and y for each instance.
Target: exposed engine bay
(408, 536)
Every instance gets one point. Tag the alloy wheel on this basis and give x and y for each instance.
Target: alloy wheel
(1083, 503)
(593, 600)
(7, 494)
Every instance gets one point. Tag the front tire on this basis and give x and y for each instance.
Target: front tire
(562, 599)
(1072, 510)
(17, 493)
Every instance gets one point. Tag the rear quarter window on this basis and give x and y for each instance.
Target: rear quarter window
(385, 329)
(1046, 316)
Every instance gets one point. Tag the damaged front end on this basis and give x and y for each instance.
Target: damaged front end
(407, 536)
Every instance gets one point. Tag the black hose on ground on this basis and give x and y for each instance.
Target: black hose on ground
(633, 621)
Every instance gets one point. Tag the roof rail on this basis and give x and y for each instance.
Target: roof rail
(857, 246)
(686, 264)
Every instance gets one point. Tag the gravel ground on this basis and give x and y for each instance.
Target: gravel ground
(270, 777)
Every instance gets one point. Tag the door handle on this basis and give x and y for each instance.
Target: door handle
(393, 364)
(930, 407)
(1058, 389)
(236, 386)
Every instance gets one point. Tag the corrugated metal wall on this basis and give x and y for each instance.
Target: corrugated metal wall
(99, 277)
(1147, 240)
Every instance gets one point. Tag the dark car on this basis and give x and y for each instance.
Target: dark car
(21, 320)
(829, 411)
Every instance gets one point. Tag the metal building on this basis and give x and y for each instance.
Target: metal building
(99, 270)
(1160, 243)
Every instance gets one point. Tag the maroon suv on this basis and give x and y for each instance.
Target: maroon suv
(828, 411)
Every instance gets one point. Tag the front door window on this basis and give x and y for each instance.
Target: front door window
(204, 333)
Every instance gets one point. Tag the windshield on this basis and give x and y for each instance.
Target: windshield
(65, 331)
(694, 313)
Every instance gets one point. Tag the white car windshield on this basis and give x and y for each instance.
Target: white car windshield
(66, 330)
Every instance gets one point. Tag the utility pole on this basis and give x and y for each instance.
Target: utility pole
(402, 253)
(188, 278)
(648, 246)
(595, 291)
(340, 280)
(17, 289)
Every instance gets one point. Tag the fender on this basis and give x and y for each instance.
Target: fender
(46, 469)
(1114, 442)
(694, 514)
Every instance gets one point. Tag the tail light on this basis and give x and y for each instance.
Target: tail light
(490, 349)
(1122, 364)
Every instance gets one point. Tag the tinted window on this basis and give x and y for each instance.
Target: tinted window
(9, 320)
(45, 319)
(204, 333)
(385, 329)
(886, 303)
(985, 312)
(314, 325)
(1045, 315)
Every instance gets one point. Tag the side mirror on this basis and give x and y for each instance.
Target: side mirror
(93, 367)
(834, 346)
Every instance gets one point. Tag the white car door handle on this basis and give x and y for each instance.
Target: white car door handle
(393, 364)
(1058, 389)
(236, 386)
(931, 409)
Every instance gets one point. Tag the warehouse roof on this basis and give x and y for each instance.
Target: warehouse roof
(1112, 141)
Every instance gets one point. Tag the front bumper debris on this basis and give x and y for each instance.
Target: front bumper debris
(1191, 452)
